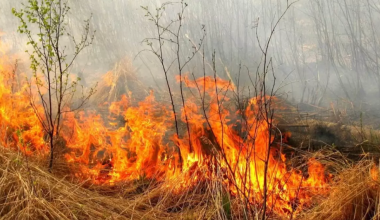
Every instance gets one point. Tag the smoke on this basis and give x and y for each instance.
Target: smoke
(322, 50)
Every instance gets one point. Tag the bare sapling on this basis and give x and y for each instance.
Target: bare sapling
(51, 86)
(169, 33)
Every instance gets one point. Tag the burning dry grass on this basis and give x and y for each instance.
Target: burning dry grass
(353, 195)
(115, 156)
(30, 192)
(139, 175)
(120, 80)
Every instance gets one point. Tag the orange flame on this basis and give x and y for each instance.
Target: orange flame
(142, 147)
(140, 140)
(20, 127)
(374, 172)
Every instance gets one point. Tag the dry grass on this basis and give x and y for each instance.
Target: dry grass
(28, 191)
(353, 195)
(122, 79)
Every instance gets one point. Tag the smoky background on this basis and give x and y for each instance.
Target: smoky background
(323, 51)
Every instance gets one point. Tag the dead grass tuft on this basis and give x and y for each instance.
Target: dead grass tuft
(30, 192)
(353, 195)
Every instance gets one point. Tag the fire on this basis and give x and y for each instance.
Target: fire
(374, 172)
(140, 140)
(144, 145)
(20, 127)
(134, 147)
